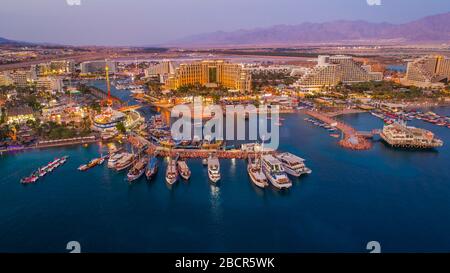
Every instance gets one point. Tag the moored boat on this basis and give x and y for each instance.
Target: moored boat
(293, 164)
(138, 169)
(152, 168)
(275, 173)
(213, 169)
(125, 162)
(171, 172)
(256, 174)
(183, 169)
(113, 159)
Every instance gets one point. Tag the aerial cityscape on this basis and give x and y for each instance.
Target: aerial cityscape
(300, 134)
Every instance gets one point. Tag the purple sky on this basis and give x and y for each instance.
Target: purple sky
(147, 22)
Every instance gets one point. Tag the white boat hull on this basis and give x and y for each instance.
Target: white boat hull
(171, 181)
(213, 177)
(277, 185)
(135, 177)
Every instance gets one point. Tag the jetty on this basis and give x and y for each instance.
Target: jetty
(352, 139)
(153, 149)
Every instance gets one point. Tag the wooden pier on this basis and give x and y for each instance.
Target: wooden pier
(352, 139)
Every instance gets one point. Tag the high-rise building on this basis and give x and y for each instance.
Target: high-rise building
(332, 70)
(211, 73)
(49, 84)
(163, 68)
(97, 67)
(52, 68)
(428, 71)
(5, 80)
(20, 78)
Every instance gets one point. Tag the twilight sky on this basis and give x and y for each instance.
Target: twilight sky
(148, 22)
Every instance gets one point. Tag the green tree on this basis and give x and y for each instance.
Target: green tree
(121, 128)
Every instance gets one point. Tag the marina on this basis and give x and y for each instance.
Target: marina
(311, 199)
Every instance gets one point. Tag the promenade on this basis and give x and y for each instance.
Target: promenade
(54, 143)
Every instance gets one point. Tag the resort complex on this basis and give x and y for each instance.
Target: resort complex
(428, 71)
(332, 70)
(211, 73)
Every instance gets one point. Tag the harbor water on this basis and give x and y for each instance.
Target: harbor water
(399, 198)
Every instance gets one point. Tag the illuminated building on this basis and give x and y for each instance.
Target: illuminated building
(19, 114)
(332, 70)
(108, 119)
(52, 68)
(20, 78)
(164, 67)
(49, 84)
(211, 73)
(5, 80)
(429, 71)
(97, 67)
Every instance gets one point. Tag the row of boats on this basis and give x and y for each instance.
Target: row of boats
(430, 117)
(275, 169)
(330, 127)
(42, 171)
(137, 165)
(261, 169)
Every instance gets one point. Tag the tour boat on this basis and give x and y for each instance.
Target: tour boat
(274, 171)
(30, 179)
(138, 169)
(213, 169)
(125, 162)
(293, 164)
(256, 174)
(183, 169)
(113, 159)
(152, 168)
(94, 162)
(171, 172)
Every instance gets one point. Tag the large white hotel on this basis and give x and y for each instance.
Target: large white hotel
(332, 70)
(428, 71)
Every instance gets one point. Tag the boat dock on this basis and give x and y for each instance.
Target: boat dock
(152, 149)
(352, 139)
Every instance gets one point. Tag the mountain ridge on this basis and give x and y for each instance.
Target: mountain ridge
(434, 28)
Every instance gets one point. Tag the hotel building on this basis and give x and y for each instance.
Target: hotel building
(428, 71)
(211, 73)
(332, 70)
(52, 68)
(97, 67)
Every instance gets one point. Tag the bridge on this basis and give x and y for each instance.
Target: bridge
(103, 95)
(369, 134)
(130, 108)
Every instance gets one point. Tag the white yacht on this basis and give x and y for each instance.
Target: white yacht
(213, 169)
(293, 164)
(183, 169)
(125, 162)
(254, 169)
(171, 172)
(274, 171)
(113, 159)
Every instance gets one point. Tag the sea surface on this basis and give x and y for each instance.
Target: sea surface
(399, 198)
